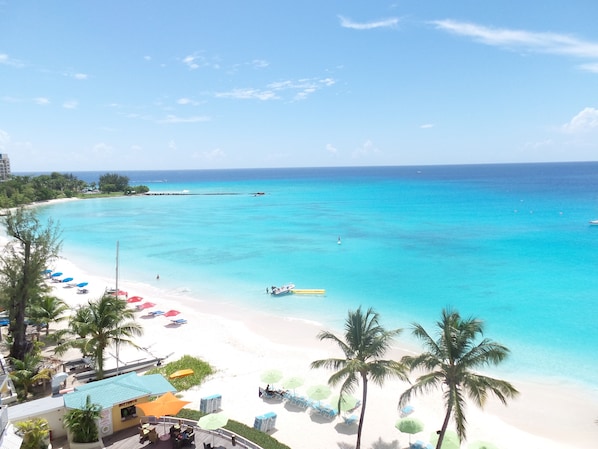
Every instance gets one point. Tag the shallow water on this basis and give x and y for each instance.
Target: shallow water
(509, 244)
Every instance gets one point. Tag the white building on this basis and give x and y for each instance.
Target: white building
(4, 167)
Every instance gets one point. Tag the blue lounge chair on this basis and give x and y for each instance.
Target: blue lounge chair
(350, 420)
(179, 321)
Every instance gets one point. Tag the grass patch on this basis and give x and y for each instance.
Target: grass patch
(249, 433)
(201, 370)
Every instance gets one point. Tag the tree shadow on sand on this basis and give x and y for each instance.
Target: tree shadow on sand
(384, 445)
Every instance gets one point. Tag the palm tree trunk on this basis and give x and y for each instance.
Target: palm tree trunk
(364, 396)
(444, 426)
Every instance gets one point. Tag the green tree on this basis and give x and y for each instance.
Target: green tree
(83, 423)
(450, 363)
(35, 432)
(102, 323)
(47, 309)
(365, 343)
(27, 372)
(27, 254)
(113, 182)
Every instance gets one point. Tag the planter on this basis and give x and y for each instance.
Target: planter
(94, 445)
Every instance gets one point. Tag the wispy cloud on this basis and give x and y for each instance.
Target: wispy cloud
(6, 60)
(331, 149)
(42, 101)
(4, 139)
(549, 43)
(367, 149)
(196, 61)
(80, 76)
(71, 104)
(299, 90)
(426, 126)
(585, 120)
(187, 101)
(391, 22)
(248, 94)
(175, 119)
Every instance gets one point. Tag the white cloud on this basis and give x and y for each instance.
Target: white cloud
(71, 104)
(592, 67)
(585, 120)
(80, 76)
(102, 149)
(367, 149)
(248, 94)
(384, 23)
(175, 119)
(552, 43)
(426, 126)
(185, 101)
(331, 149)
(172, 145)
(4, 140)
(259, 63)
(42, 101)
(6, 60)
(147, 58)
(216, 153)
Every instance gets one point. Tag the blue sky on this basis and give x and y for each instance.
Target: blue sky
(113, 84)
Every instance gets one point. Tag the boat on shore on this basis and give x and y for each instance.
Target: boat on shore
(282, 290)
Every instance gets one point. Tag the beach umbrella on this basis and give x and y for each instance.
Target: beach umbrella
(407, 410)
(58, 273)
(67, 279)
(450, 441)
(292, 382)
(482, 445)
(167, 404)
(172, 313)
(47, 271)
(271, 376)
(146, 305)
(82, 284)
(410, 426)
(213, 421)
(349, 402)
(318, 392)
(134, 299)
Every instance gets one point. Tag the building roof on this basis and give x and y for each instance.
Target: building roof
(116, 390)
(38, 407)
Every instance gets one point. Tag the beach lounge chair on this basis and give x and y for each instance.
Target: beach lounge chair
(350, 420)
(179, 321)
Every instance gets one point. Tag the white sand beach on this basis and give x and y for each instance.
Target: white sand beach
(241, 344)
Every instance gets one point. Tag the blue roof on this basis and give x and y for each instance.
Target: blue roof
(116, 390)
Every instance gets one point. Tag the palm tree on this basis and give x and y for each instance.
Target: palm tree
(100, 324)
(36, 433)
(82, 423)
(365, 342)
(450, 362)
(46, 310)
(27, 372)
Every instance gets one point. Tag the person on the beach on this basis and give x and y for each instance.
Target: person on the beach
(158, 277)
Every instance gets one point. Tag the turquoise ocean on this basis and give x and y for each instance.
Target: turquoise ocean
(510, 244)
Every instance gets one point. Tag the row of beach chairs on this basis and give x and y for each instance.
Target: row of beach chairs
(324, 410)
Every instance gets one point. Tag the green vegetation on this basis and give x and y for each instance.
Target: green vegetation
(28, 253)
(201, 370)
(365, 342)
(21, 190)
(451, 363)
(102, 323)
(35, 433)
(82, 424)
(25, 373)
(249, 433)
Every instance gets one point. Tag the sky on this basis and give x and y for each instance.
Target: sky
(211, 84)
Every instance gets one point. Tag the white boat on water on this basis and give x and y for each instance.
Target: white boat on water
(283, 290)
(594, 222)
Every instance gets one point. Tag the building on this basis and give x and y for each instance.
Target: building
(4, 167)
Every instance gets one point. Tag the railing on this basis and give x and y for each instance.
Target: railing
(222, 433)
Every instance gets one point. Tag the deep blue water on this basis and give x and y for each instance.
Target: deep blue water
(510, 244)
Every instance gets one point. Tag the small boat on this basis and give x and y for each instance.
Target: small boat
(181, 373)
(594, 222)
(283, 290)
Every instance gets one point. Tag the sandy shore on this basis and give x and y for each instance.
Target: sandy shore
(241, 344)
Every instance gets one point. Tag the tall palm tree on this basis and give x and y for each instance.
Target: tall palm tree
(450, 363)
(27, 372)
(365, 342)
(101, 324)
(46, 310)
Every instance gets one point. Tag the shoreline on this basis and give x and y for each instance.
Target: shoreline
(241, 343)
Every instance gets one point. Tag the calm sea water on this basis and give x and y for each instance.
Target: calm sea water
(510, 244)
